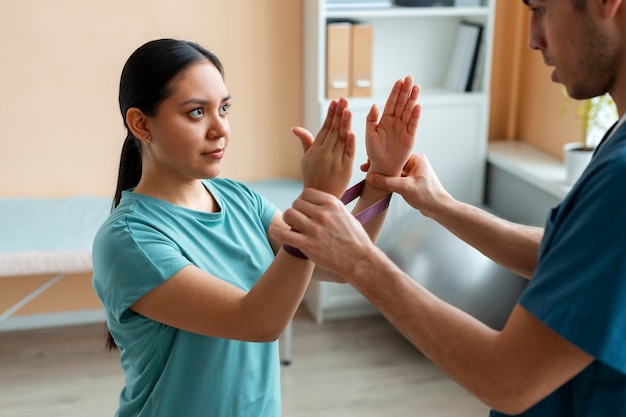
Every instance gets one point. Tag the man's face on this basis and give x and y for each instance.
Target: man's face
(575, 43)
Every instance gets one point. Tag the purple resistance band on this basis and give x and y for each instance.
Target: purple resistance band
(363, 217)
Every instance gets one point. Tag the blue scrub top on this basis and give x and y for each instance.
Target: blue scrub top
(579, 286)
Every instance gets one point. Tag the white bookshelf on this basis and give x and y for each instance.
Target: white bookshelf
(453, 127)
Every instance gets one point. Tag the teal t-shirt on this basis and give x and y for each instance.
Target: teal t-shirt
(168, 371)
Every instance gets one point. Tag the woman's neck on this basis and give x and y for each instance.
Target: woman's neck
(189, 194)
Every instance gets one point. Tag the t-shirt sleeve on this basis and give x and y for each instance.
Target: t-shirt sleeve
(265, 208)
(579, 286)
(138, 258)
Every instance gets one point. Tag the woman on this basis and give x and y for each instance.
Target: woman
(195, 292)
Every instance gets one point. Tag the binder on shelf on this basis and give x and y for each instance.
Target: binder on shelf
(338, 43)
(477, 82)
(464, 58)
(462, 3)
(361, 62)
(357, 4)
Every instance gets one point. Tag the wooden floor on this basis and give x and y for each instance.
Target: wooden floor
(350, 368)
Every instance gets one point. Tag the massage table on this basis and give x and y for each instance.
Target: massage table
(45, 257)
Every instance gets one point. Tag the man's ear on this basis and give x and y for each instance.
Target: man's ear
(137, 122)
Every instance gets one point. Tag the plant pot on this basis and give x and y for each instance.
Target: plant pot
(576, 158)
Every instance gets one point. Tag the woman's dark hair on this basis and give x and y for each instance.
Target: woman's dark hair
(145, 82)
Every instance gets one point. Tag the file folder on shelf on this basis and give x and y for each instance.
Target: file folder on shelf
(361, 63)
(338, 45)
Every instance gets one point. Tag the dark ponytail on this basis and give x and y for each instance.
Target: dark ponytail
(128, 176)
(144, 84)
(130, 167)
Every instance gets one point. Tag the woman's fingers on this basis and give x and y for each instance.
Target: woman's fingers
(337, 127)
(336, 124)
(345, 130)
(328, 121)
(414, 119)
(392, 100)
(306, 138)
(410, 104)
(403, 96)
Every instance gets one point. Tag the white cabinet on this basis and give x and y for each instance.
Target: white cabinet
(453, 127)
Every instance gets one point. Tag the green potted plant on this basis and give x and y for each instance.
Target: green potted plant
(595, 116)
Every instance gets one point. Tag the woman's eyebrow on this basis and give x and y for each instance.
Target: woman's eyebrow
(202, 101)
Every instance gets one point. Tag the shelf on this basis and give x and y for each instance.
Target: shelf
(531, 165)
(408, 12)
(453, 125)
(428, 96)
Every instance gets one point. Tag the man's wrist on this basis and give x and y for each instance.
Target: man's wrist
(359, 269)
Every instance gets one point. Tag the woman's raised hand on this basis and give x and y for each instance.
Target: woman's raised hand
(389, 141)
(328, 159)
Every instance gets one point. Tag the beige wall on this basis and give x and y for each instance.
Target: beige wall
(525, 104)
(60, 61)
(60, 131)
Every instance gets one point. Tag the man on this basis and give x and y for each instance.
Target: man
(563, 349)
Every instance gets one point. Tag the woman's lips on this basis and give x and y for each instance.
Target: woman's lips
(217, 153)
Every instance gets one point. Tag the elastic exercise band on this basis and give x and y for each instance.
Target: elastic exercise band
(363, 217)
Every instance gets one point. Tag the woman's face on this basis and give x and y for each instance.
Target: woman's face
(190, 130)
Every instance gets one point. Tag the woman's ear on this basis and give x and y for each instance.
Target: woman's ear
(137, 122)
